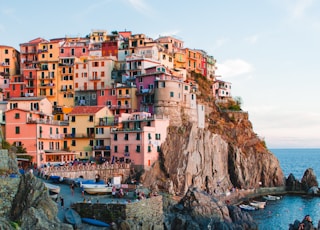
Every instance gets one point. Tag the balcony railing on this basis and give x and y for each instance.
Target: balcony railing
(112, 107)
(123, 96)
(46, 121)
(101, 147)
(94, 78)
(79, 135)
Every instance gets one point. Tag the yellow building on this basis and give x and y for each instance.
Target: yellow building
(47, 74)
(83, 122)
(193, 60)
(9, 61)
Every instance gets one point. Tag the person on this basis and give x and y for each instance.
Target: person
(61, 202)
(306, 223)
(72, 188)
(82, 191)
(114, 191)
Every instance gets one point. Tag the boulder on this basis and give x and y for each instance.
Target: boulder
(292, 184)
(309, 180)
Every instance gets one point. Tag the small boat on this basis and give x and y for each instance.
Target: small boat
(247, 207)
(258, 204)
(56, 179)
(270, 197)
(72, 217)
(52, 188)
(96, 188)
(95, 222)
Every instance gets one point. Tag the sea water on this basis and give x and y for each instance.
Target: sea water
(279, 214)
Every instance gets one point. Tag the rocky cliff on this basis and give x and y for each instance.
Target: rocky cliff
(24, 200)
(225, 154)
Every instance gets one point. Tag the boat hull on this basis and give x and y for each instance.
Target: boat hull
(96, 189)
(95, 222)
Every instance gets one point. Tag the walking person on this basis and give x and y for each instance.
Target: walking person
(61, 202)
(72, 188)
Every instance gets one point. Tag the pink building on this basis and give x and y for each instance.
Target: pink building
(221, 89)
(42, 137)
(139, 139)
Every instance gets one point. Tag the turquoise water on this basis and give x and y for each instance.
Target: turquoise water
(279, 214)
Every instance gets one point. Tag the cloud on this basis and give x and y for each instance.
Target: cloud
(139, 5)
(252, 39)
(220, 42)
(299, 8)
(234, 67)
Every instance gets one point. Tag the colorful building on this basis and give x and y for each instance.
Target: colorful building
(84, 122)
(139, 139)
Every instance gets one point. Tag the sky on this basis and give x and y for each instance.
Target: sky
(269, 49)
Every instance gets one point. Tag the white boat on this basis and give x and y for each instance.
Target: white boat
(270, 197)
(53, 188)
(247, 207)
(96, 188)
(258, 204)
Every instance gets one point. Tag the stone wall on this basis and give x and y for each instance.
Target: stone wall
(89, 172)
(4, 161)
(147, 211)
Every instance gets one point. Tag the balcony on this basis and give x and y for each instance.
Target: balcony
(4, 63)
(45, 121)
(113, 107)
(144, 92)
(119, 96)
(30, 86)
(46, 85)
(101, 147)
(94, 78)
(79, 135)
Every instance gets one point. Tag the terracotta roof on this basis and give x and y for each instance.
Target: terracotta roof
(85, 110)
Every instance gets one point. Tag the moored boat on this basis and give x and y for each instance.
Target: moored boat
(53, 188)
(247, 207)
(270, 197)
(96, 188)
(95, 222)
(258, 204)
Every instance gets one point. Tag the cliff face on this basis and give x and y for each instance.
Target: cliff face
(225, 154)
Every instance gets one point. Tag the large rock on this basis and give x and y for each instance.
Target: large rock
(198, 210)
(309, 180)
(33, 207)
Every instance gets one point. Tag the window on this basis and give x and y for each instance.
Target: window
(102, 63)
(83, 50)
(149, 148)
(171, 94)
(138, 136)
(6, 51)
(149, 136)
(17, 130)
(50, 130)
(90, 142)
(91, 118)
(186, 87)
(158, 149)
(157, 136)
(50, 55)
(17, 116)
(50, 46)
(115, 149)
(115, 137)
(73, 119)
(126, 136)
(138, 149)
(73, 143)
(126, 149)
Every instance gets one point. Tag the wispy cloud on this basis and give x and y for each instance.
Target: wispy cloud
(234, 67)
(252, 39)
(139, 5)
(298, 8)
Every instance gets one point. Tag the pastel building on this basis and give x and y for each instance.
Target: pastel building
(9, 61)
(139, 139)
(84, 122)
(90, 75)
(39, 134)
(221, 89)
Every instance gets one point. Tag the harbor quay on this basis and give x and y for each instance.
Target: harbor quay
(89, 171)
